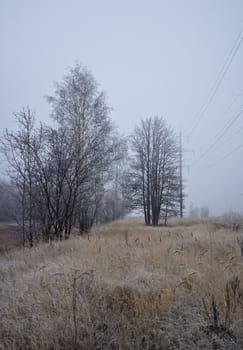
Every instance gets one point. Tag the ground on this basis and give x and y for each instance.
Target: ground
(126, 286)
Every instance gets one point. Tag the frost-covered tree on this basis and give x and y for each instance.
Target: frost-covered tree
(153, 177)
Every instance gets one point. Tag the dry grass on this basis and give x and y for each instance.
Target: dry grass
(126, 286)
(8, 236)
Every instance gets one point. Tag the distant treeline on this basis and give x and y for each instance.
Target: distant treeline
(8, 205)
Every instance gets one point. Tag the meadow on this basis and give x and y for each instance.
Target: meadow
(126, 286)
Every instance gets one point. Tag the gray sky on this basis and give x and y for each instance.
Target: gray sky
(152, 58)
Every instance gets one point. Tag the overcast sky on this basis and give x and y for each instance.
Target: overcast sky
(152, 58)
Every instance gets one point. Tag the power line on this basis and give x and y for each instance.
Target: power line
(225, 112)
(230, 105)
(218, 81)
(205, 108)
(233, 135)
(221, 159)
(220, 135)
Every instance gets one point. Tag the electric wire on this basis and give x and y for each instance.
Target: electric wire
(221, 159)
(201, 149)
(218, 82)
(220, 135)
(232, 136)
(229, 106)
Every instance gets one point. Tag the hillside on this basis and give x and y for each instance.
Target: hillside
(126, 286)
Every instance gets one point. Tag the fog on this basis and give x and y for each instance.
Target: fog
(165, 58)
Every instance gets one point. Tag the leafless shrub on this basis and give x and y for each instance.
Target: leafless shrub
(221, 319)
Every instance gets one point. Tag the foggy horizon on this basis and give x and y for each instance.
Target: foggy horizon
(178, 60)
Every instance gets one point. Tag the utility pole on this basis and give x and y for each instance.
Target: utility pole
(181, 181)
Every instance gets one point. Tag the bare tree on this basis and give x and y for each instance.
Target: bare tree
(154, 178)
(61, 171)
(114, 204)
(81, 111)
(18, 151)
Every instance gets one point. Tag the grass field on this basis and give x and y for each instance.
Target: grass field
(8, 236)
(126, 286)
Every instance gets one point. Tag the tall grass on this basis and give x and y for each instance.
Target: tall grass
(126, 286)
